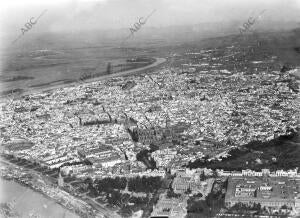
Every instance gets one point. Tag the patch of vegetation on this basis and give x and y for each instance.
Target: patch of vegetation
(144, 184)
(280, 153)
(244, 209)
(145, 157)
(212, 204)
(131, 204)
(172, 194)
(85, 162)
(109, 184)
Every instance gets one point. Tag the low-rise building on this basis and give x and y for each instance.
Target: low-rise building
(264, 172)
(273, 192)
(171, 208)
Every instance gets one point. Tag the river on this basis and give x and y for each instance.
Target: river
(29, 202)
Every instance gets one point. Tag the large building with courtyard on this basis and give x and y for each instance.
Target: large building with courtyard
(273, 192)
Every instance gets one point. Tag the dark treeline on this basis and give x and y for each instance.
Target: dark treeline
(97, 122)
(136, 184)
(109, 184)
(280, 153)
(133, 134)
(85, 162)
(144, 184)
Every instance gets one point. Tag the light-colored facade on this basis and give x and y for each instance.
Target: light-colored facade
(267, 191)
(265, 172)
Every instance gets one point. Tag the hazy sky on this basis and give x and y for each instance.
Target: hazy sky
(72, 15)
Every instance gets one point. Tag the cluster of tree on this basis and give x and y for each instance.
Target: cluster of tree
(282, 148)
(294, 86)
(126, 211)
(199, 195)
(137, 203)
(215, 199)
(188, 191)
(93, 192)
(145, 157)
(284, 207)
(255, 209)
(172, 194)
(201, 208)
(142, 155)
(133, 134)
(204, 177)
(98, 122)
(109, 184)
(144, 184)
(154, 108)
(28, 163)
(153, 147)
(212, 204)
(85, 162)
(198, 208)
(149, 207)
(245, 209)
(114, 198)
(286, 67)
(129, 85)
(240, 207)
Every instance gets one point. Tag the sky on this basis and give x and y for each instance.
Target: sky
(73, 15)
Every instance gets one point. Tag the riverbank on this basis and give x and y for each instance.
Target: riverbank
(23, 200)
(158, 62)
(25, 185)
(51, 192)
